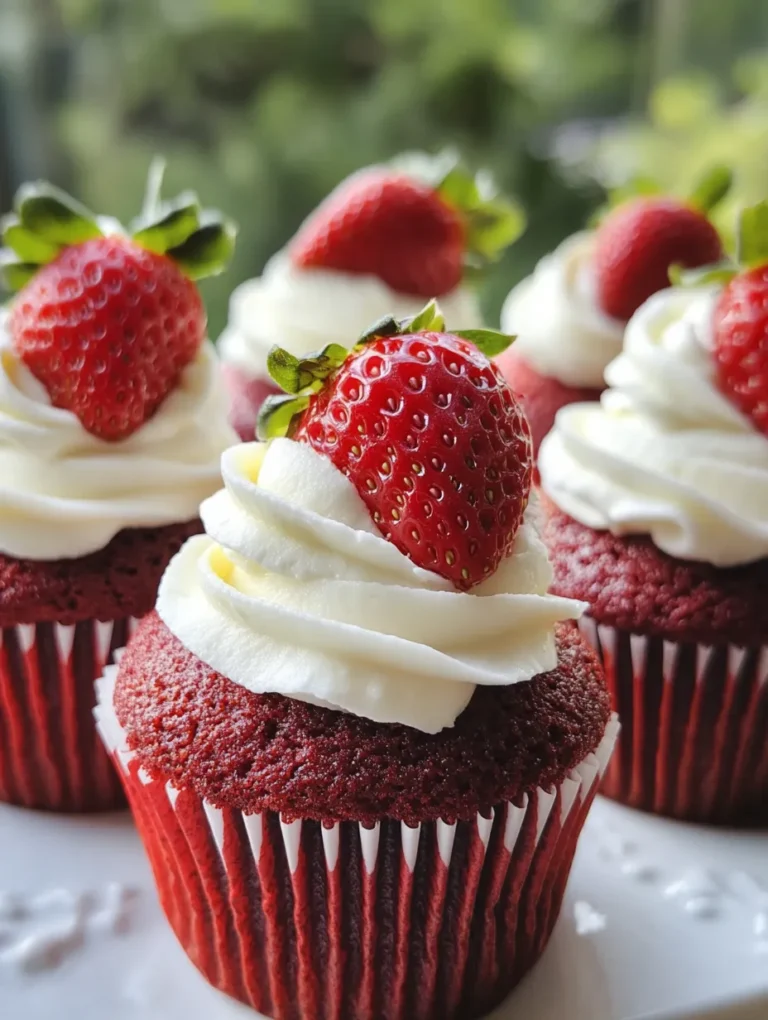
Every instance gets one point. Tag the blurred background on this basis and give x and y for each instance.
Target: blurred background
(264, 105)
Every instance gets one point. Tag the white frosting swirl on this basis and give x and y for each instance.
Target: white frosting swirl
(293, 590)
(65, 493)
(305, 309)
(665, 453)
(560, 328)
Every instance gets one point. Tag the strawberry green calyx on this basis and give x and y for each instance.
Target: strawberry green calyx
(711, 188)
(302, 378)
(46, 220)
(492, 221)
(751, 251)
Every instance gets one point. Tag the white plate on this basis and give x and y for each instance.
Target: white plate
(660, 920)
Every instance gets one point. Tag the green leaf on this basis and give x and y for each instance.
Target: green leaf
(718, 272)
(712, 188)
(207, 251)
(299, 375)
(277, 415)
(494, 226)
(488, 341)
(15, 275)
(459, 189)
(28, 246)
(171, 225)
(493, 222)
(429, 318)
(388, 325)
(752, 235)
(53, 215)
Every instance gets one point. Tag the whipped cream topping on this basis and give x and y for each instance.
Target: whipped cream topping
(665, 453)
(65, 493)
(560, 328)
(294, 591)
(302, 310)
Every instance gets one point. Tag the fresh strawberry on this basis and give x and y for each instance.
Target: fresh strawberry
(414, 235)
(637, 244)
(741, 343)
(428, 432)
(108, 323)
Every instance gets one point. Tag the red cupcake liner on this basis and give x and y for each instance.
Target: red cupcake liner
(307, 922)
(694, 720)
(51, 756)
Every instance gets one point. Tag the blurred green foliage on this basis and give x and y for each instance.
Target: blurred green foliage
(693, 124)
(262, 106)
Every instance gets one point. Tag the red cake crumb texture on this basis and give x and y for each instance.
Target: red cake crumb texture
(541, 396)
(246, 395)
(190, 725)
(117, 581)
(632, 585)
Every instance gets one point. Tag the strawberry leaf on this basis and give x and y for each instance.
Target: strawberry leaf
(712, 188)
(488, 341)
(53, 215)
(752, 235)
(28, 246)
(170, 225)
(277, 415)
(430, 318)
(718, 272)
(301, 375)
(208, 250)
(388, 325)
(492, 221)
(15, 275)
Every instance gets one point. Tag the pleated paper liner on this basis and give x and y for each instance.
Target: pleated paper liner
(306, 922)
(694, 726)
(51, 756)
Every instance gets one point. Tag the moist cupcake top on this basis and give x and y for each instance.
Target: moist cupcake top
(667, 452)
(384, 559)
(365, 628)
(383, 241)
(111, 411)
(294, 590)
(571, 312)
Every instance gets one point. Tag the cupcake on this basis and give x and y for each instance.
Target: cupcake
(570, 314)
(359, 738)
(385, 240)
(657, 518)
(112, 424)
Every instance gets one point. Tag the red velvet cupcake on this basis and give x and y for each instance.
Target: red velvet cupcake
(569, 315)
(385, 240)
(358, 740)
(658, 520)
(112, 421)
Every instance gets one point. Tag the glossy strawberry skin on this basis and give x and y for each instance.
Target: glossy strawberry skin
(385, 224)
(639, 241)
(107, 327)
(432, 438)
(741, 343)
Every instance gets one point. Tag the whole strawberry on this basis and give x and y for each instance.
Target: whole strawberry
(426, 429)
(417, 236)
(107, 323)
(638, 243)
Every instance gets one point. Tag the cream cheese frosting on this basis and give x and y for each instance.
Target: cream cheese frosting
(65, 493)
(302, 310)
(560, 328)
(294, 591)
(665, 453)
